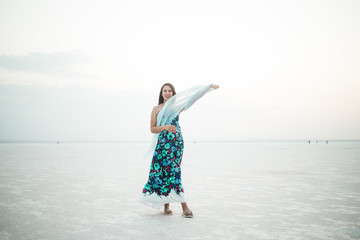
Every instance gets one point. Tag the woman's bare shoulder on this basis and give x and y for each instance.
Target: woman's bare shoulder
(156, 109)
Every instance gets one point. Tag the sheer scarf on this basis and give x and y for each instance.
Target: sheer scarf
(180, 102)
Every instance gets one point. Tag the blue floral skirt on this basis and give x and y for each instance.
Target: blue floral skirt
(164, 183)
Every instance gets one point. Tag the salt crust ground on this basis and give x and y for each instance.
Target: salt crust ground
(236, 190)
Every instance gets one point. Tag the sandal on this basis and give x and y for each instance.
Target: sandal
(188, 214)
(167, 211)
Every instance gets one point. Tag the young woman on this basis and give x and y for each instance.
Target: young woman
(164, 184)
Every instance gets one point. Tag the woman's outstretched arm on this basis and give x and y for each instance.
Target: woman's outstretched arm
(197, 93)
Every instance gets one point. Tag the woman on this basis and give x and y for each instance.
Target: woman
(164, 184)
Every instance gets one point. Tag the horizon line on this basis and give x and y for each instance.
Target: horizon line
(195, 141)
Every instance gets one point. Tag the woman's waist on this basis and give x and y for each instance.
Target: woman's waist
(176, 133)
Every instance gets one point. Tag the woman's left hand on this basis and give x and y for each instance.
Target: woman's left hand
(214, 86)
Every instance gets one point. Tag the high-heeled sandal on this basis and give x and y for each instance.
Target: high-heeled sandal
(167, 211)
(188, 214)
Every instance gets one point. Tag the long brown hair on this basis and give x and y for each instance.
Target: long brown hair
(161, 98)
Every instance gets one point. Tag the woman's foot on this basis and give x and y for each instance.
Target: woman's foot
(167, 209)
(188, 214)
(186, 211)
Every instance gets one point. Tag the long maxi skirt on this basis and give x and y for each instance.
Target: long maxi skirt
(164, 183)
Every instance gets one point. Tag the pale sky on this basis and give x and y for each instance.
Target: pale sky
(92, 70)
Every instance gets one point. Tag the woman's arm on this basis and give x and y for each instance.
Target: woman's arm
(158, 129)
(190, 96)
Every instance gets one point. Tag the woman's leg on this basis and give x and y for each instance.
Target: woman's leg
(186, 211)
(185, 207)
(167, 208)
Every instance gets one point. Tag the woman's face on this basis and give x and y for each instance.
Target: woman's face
(167, 93)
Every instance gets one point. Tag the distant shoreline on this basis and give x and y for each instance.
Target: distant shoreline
(189, 141)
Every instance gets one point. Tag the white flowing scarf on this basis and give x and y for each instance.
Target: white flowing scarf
(179, 102)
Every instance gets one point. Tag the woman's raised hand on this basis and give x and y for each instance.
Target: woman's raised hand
(170, 128)
(214, 86)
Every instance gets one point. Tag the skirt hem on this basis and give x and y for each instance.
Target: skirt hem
(156, 201)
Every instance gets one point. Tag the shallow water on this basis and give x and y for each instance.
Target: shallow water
(275, 190)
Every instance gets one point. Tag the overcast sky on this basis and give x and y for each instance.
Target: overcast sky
(92, 70)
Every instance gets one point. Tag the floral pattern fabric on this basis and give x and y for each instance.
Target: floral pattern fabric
(165, 168)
